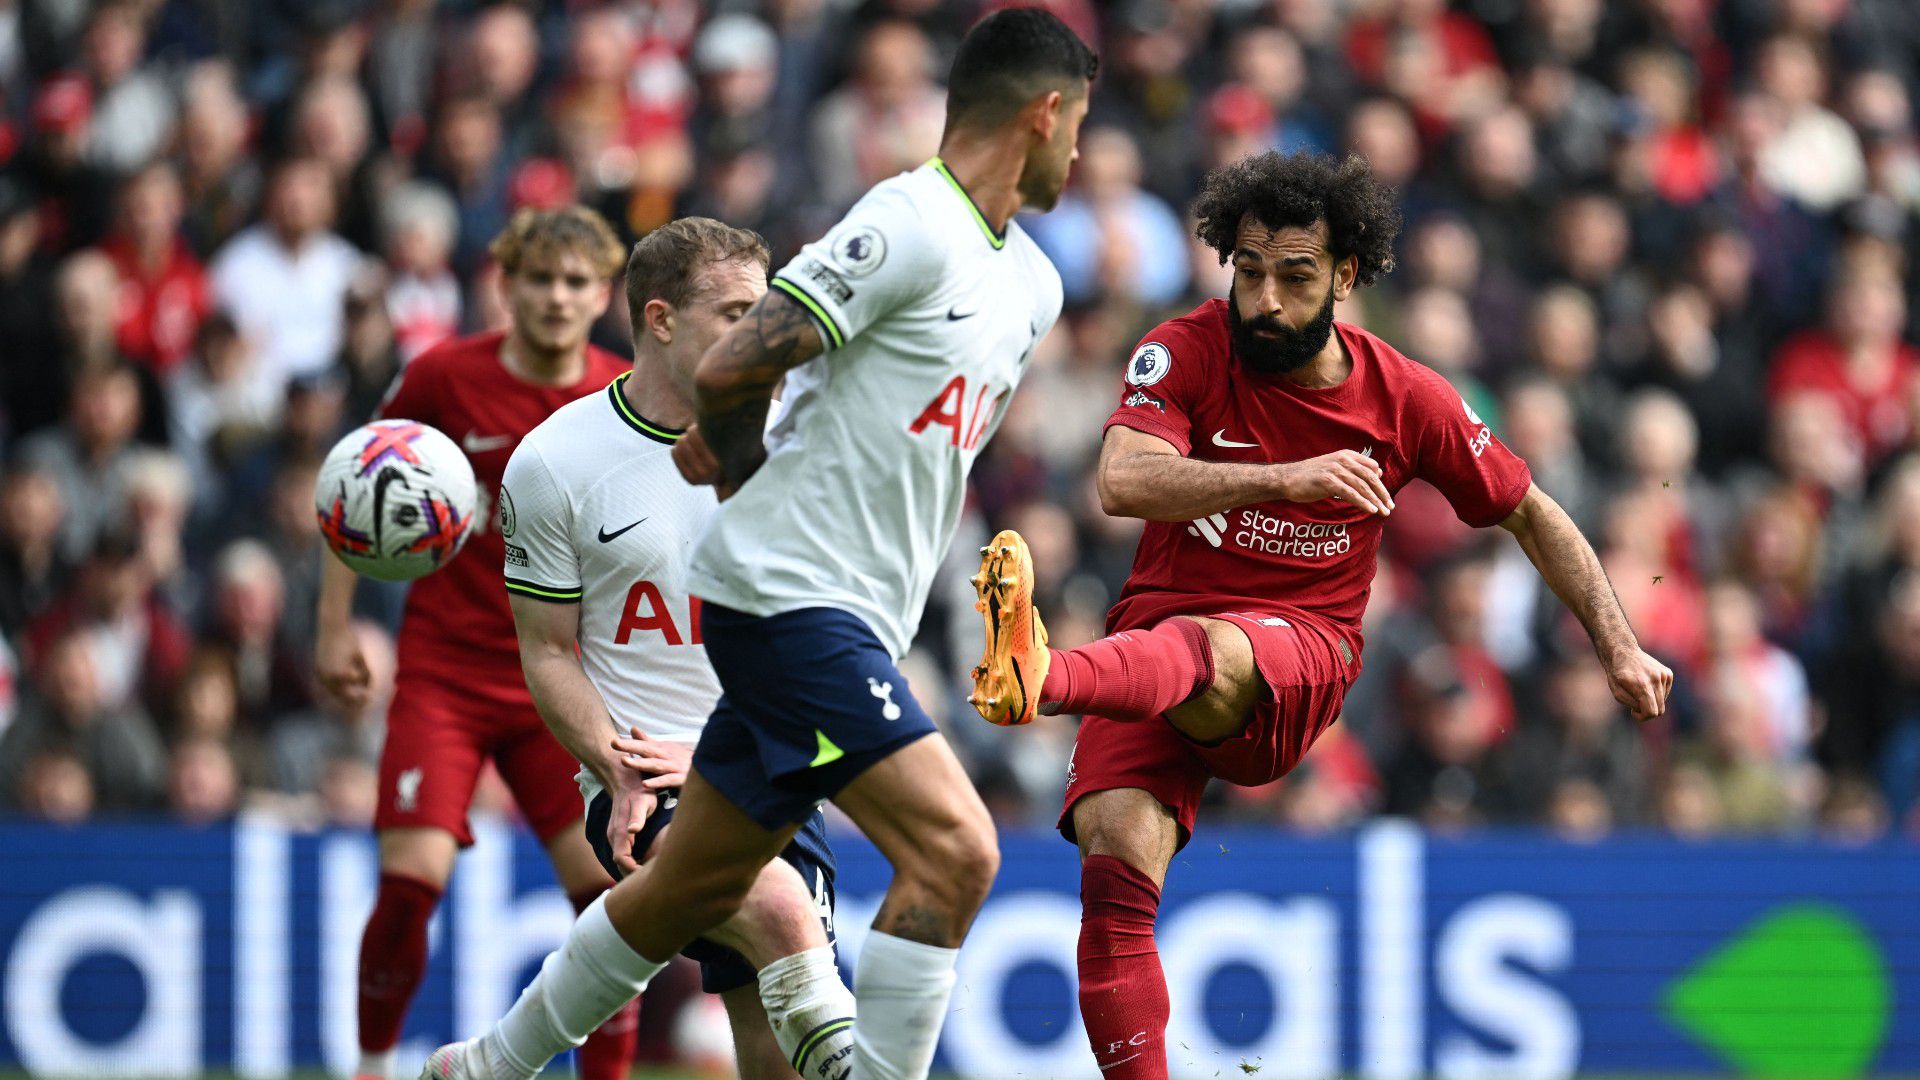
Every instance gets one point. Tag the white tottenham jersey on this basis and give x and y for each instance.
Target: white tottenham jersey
(595, 513)
(929, 320)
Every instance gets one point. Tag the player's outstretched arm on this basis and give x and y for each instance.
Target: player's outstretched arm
(737, 376)
(1570, 567)
(576, 713)
(338, 661)
(1145, 476)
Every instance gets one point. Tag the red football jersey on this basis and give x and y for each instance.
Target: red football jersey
(457, 621)
(159, 315)
(1314, 561)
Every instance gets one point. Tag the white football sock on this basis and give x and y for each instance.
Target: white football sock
(902, 988)
(374, 1065)
(811, 1013)
(578, 988)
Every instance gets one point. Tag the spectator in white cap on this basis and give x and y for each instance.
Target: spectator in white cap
(737, 60)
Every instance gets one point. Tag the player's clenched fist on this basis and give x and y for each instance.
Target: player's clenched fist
(1640, 683)
(341, 666)
(698, 464)
(1347, 475)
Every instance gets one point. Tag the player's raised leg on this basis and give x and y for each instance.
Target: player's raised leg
(1127, 837)
(921, 811)
(1197, 672)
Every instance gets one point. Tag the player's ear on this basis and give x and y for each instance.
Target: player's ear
(658, 316)
(1344, 276)
(1049, 111)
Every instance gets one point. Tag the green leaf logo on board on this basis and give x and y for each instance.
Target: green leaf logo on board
(1803, 992)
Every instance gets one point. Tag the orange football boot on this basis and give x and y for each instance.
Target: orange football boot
(1006, 684)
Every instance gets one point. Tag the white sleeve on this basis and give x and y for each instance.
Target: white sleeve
(880, 258)
(536, 521)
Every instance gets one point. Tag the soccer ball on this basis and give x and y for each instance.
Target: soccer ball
(395, 499)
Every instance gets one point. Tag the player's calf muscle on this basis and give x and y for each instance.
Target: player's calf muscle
(939, 885)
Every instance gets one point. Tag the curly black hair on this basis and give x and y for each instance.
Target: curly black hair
(1295, 190)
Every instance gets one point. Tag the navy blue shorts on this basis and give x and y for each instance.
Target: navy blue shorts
(722, 969)
(810, 700)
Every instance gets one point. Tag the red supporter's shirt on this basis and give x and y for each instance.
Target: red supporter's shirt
(1313, 562)
(1813, 362)
(159, 314)
(457, 624)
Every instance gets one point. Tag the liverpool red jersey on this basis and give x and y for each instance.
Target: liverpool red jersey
(457, 622)
(1313, 561)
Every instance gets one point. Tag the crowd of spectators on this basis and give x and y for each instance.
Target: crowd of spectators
(1664, 247)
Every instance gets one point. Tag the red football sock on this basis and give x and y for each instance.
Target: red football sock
(1123, 992)
(1132, 675)
(608, 1052)
(393, 957)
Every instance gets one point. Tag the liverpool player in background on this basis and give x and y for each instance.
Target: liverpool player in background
(459, 697)
(1263, 443)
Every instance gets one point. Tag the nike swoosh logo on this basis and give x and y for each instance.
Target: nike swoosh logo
(388, 474)
(952, 317)
(1220, 439)
(480, 444)
(606, 536)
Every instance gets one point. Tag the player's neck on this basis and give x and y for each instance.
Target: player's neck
(1328, 369)
(546, 367)
(651, 394)
(988, 170)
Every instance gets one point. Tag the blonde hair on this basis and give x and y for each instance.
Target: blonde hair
(535, 233)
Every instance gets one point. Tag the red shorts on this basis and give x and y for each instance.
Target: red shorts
(439, 735)
(1307, 672)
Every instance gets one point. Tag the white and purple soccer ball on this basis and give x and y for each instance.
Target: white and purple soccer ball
(395, 499)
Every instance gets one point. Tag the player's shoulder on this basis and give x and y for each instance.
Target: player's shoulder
(459, 355)
(1393, 363)
(578, 432)
(895, 222)
(1191, 344)
(1402, 380)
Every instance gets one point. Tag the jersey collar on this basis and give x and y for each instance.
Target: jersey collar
(997, 239)
(634, 420)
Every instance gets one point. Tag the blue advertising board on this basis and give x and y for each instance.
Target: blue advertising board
(165, 951)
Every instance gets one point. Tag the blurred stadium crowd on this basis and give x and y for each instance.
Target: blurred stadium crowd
(1664, 247)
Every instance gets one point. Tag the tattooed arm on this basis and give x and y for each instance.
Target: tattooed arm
(736, 379)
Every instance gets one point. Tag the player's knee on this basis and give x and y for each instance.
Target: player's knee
(423, 854)
(1127, 824)
(1233, 663)
(779, 912)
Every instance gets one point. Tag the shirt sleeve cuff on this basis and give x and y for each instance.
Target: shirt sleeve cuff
(552, 594)
(1510, 500)
(830, 333)
(1148, 426)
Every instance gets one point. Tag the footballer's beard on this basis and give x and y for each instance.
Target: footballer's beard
(1267, 345)
(1043, 180)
